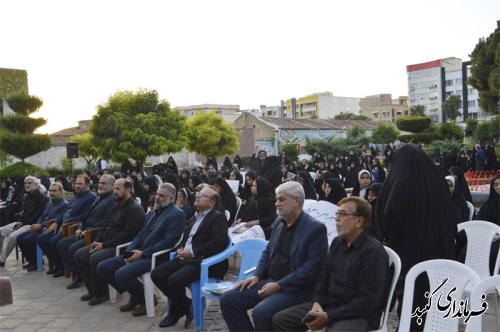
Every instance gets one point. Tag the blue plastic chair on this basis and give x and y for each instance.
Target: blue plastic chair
(195, 288)
(250, 251)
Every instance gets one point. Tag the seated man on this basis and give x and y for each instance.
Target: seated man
(78, 206)
(33, 207)
(286, 273)
(123, 222)
(205, 235)
(93, 218)
(162, 229)
(54, 211)
(350, 294)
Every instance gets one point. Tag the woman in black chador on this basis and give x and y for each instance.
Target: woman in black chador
(416, 216)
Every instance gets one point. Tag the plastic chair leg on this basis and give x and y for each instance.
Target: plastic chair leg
(112, 294)
(148, 294)
(39, 258)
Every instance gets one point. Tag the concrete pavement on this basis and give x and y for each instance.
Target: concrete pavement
(42, 303)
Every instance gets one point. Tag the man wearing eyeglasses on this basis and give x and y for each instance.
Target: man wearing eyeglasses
(351, 290)
(205, 236)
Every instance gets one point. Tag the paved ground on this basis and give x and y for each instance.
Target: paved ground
(42, 303)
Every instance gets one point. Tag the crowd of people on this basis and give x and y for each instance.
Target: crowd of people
(399, 197)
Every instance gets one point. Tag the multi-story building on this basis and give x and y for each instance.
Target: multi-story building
(322, 105)
(431, 83)
(382, 107)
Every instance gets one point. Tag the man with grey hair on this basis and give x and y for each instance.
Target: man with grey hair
(286, 273)
(162, 229)
(94, 218)
(34, 204)
(54, 211)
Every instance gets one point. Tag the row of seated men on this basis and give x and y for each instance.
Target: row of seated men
(344, 287)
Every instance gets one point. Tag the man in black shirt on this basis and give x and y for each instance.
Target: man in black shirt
(287, 268)
(351, 289)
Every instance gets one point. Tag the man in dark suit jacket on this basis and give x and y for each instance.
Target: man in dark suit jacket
(287, 269)
(205, 235)
(162, 230)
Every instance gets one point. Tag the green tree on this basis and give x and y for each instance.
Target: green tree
(471, 124)
(209, 135)
(350, 116)
(451, 107)
(16, 130)
(355, 132)
(137, 125)
(495, 128)
(482, 132)
(450, 131)
(413, 124)
(485, 71)
(384, 133)
(290, 150)
(417, 110)
(86, 148)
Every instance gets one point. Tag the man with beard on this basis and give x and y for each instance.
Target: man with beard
(94, 218)
(77, 208)
(350, 292)
(162, 229)
(268, 168)
(54, 211)
(122, 224)
(34, 205)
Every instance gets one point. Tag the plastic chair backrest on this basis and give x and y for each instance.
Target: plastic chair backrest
(480, 235)
(459, 277)
(238, 206)
(396, 261)
(471, 210)
(483, 287)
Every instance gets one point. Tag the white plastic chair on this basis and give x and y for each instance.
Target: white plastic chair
(227, 214)
(485, 286)
(471, 210)
(238, 206)
(480, 234)
(396, 261)
(149, 287)
(459, 276)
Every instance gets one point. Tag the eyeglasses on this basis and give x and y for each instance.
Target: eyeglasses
(342, 213)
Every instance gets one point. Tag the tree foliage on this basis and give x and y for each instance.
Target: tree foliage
(450, 131)
(337, 145)
(137, 125)
(451, 107)
(384, 133)
(355, 132)
(350, 116)
(86, 148)
(485, 71)
(290, 150)
(482, 132)
(413, 124)
(208, 135)
(471, 124)
(16, 130)
(417, 110)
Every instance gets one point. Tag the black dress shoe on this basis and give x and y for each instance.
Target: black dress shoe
(189, 315)
(98, 300)
(129, 306)
(87, 297)
(58, 273)
(169, 321)
(31, 268)
(75, 284)
(51, 270)
(2, 263)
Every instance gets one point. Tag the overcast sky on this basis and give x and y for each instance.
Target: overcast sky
(78, 53)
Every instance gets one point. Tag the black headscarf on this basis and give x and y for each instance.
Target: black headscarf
(228, 163)
(172, 165)
(227, 197)
(415, 210)
(461, 181)
(337, 191)
(490, 210)
(184, 183)
(270, 169)
(196, 180)
(308, 185)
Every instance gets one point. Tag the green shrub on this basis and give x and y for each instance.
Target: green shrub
(21, 169)
(413, 124)
(425, 138)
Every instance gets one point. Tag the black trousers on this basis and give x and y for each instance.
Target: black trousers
(291, 320)
(86, 264)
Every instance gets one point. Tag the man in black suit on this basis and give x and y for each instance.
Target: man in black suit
(205, 235)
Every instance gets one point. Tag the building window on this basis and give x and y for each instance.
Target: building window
(448, 82)
(472, 103)
(458, 81)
